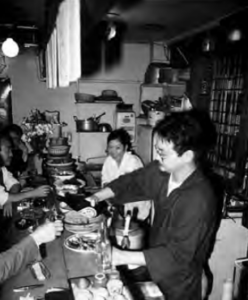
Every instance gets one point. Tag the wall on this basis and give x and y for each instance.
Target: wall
(30, 93)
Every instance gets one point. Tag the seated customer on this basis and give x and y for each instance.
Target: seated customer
(121, 161)
(9, 186)
(20, 150)
(27, 251)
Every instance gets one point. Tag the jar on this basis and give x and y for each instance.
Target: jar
(100, 280)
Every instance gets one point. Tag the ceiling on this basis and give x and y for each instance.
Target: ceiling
(145, 20)
(171, 20)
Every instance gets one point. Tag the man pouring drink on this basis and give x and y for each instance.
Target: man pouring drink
(185, 207)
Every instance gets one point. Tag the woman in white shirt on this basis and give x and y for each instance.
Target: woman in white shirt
(120, 161)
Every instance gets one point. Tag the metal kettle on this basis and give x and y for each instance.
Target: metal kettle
(104, 127)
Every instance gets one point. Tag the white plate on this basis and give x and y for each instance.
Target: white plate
(83, 239)
(88, 212)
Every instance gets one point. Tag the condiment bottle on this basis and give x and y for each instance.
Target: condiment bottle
(100, 280)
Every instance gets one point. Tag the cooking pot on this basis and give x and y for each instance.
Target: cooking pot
(85, 125)
(104, 127)
(135, 234)
(88, 125)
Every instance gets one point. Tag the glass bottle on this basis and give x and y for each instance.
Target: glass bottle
(104, 249)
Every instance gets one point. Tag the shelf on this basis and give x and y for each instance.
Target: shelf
(100, 102)
(163, 85)
(104, 132)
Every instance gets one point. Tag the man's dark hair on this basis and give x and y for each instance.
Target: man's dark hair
(123, 136)
(188, 130)
(13, 128)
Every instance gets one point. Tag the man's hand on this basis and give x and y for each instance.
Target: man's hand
(47, 232)
(41, 191)
(118, 257)
(123, 257)
(7, 210)
(93, 200)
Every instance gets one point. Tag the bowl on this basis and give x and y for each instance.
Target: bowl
(109, 93)
(61, 141)
(59, 150)
(83, 97)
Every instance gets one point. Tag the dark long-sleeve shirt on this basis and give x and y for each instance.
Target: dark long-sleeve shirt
(18, 257)
(183, 227)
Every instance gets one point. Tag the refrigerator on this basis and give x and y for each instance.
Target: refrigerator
(145, 144)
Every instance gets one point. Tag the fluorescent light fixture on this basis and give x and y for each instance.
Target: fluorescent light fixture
(10, 48)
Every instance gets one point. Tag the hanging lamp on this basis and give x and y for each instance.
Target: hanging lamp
(10, 48)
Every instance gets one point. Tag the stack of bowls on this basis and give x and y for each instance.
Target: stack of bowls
(76, 222)
(58, 158)
(58, 150)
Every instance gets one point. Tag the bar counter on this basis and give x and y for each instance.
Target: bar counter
(63, 265)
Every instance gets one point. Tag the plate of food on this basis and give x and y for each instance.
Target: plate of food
(82, 242)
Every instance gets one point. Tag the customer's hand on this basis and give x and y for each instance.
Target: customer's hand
(47, 232)
(7, 210)
(41, 191)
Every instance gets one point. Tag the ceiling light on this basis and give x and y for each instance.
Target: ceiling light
(235, 35)
(10, 48)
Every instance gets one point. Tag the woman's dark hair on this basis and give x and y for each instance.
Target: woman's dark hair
(13, 128)
(121, 135)
(188, 130)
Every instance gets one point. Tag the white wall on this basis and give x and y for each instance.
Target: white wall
(29, 93)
